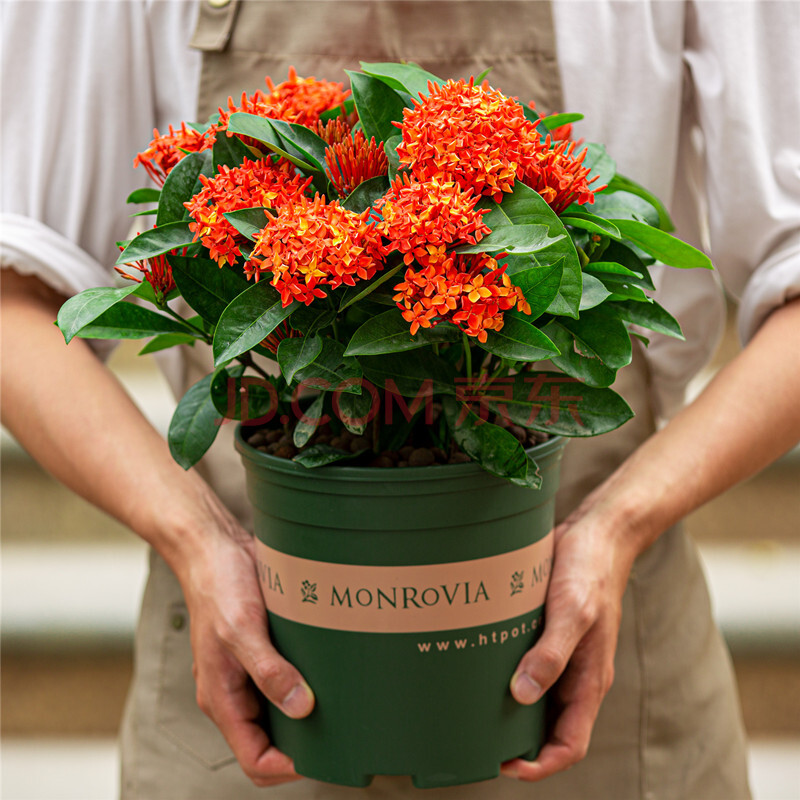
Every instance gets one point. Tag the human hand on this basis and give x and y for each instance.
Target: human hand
(575, 654)
(233, 656)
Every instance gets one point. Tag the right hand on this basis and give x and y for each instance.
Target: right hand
(234, 658)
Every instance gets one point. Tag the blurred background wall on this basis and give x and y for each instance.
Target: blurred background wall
(72, 579)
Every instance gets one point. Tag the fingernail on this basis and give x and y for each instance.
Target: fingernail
(525, 688)
(299, 702)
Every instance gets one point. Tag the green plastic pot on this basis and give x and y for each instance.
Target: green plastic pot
(406, 597)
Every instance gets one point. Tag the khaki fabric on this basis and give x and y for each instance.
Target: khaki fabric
(670, 727)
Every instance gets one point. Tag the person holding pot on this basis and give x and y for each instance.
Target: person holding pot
(646, 699)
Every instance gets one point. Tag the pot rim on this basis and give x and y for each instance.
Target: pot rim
(379, 474)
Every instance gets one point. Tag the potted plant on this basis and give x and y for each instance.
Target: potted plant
(445, 285)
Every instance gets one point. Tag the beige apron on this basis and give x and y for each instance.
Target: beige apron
(670, 726)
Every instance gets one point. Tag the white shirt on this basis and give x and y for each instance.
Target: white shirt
(693, 100)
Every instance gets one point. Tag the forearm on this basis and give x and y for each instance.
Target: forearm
(71, 414)
(747, 417)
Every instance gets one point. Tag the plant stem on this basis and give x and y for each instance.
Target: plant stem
(185, 322)
(247, 360)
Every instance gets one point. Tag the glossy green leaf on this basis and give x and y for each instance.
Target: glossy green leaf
(513, 239)
(540, 285)
(366, 194)
(663, 246)
(518, 340)
(626, 256)
(205, 286)
(602, 334)
(585, 367)
(321, 454)
(230, 151)
(494, 448)
(129, 321)
(560, 405)
(389, 333)
(147, 195)
(194, 424)
(302, 142)
(602, 165)
(260, 129)
(306, 426)
(246, 397)
(649, 315)
(592, 223)
(87, 306)
(310, 319)
(557, 120)
(166, 340)
(248, 320)
(156, 241)
(417, 373)
(622, 205)
(594, 292)
(390, 148)
(378, 105)
(356, 410)
(296, 353)
(248, 221)
(620, 182)
(602, 269)
(344, 109)
(362, 289)
(331, 370)
(623, 289)
(406, 77)
(180, 187)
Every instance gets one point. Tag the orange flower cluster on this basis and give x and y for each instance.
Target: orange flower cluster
(471, 291)
(255, 184)
(352, 161)
(167, 149)
(469, 134)
(313, 244)
(560, 177)
(420, 220)
(333, 130)
(156, 271)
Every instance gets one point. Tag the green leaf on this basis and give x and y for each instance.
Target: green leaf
(594, 292)
(166, 340)
(622, 205)
(626, 255)
(307, 424)
(378, 106)
(524, 206)
(302, 142)
(194, 424)
(366, 194)
(406, 77)
(389, 333)
(129, 321)
(361, 290)
(557, 120)
(592, 223)
(602, 334)
(247, 320)
(205, 286)
(513, 239)
(321, 454)
(390, 148)
(148, 212)
(415, 374)
(663, 246)
(494, 448)
(355, 410)
(308, 320)
(518, 340)
(230, 151)
(331, 369)
(156, 241)
(332, 113)
(179, 187)
(248, 221)
(296, 353)
(622, 289)
(602, 165)
(246, 397)
(620, 182)
(144, 196)
(605, 269)
(540, 285)
(261, 129)
(560, 405)
(650, 315)
(83, 308)
(586, 368)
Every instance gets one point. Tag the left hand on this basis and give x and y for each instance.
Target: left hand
(575, 654)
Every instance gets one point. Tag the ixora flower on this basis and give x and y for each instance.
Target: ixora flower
(311, 245)
(408, 237)
(256, 184)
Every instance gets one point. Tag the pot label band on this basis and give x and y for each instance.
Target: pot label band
(406, 599)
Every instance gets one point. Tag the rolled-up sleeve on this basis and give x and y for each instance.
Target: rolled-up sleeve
(744, 62)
